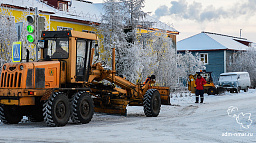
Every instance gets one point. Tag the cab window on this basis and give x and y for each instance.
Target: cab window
(56, 48)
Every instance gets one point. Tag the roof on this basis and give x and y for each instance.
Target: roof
(79, 11)
(211, 41)
(95, 10)
(234, 73)
(29, 3)
(159, 24)
(82, 10)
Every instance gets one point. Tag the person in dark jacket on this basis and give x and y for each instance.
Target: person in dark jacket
(147, 80)
(200, 81)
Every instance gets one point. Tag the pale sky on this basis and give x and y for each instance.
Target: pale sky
(191, 17)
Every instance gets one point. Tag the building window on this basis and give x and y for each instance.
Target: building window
(19, 26)
(60, 28)
(62, 6)
(204, 57)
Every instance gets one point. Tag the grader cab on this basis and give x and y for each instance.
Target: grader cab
(64, 84)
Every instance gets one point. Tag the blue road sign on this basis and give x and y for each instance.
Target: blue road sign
(16, 51)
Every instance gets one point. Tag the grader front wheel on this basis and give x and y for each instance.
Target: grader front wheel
(82, 108)
(152, 103)
(57, 110)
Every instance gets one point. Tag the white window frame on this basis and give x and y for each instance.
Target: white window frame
(207, 58)
(62, 6)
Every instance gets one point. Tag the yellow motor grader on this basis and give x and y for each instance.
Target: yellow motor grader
(64, 84)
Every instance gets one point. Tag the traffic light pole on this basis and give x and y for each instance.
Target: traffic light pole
(36, 37)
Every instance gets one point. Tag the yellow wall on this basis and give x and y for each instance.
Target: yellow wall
(20, 15)
(75, 26)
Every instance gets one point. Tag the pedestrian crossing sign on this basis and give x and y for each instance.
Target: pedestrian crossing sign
(16, 51)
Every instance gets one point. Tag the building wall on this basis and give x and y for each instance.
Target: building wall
(75, 26)
(20, 15)
(171, 36)
(215, 63)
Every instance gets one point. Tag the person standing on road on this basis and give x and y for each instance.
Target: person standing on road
(200, 82)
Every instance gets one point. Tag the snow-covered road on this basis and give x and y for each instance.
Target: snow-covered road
(187, 123)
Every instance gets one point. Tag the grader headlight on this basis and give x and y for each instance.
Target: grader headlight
(21, 67)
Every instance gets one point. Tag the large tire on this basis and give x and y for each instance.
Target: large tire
(211, 91)
(82, 108)
(56, 110)
(10, 114)
(152, 103)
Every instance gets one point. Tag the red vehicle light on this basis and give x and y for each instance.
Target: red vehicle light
(31, 93)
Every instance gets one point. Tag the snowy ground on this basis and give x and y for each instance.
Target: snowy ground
(183, 122)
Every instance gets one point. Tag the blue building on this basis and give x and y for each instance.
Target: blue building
(215, 50)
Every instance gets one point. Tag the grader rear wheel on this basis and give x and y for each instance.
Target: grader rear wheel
(57, 110)
(83, 108)
(152, 103)
(10, 114)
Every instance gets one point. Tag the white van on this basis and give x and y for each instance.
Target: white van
(235, 81)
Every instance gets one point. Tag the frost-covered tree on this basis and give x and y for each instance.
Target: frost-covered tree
(133, 17)
(8, 35)
(245, 61)
(138, 54)
(166, 71)
(111, 30)
(189, 64)
(113, 34)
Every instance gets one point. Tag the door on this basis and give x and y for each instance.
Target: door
(83, 54)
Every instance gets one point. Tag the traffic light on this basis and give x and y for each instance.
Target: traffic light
(31, 28)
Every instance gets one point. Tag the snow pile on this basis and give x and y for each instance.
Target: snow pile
(178, 98)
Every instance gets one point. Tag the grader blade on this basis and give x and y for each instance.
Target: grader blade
(113, 106)
(111, 111)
